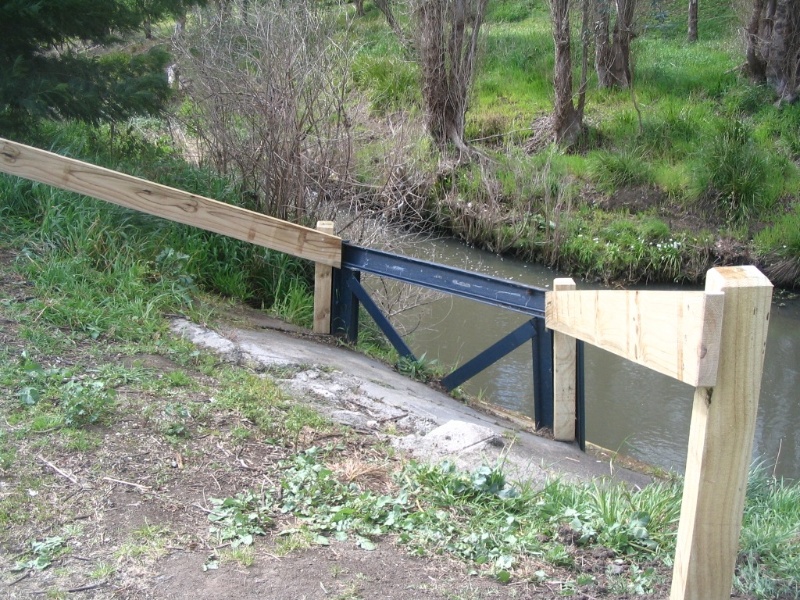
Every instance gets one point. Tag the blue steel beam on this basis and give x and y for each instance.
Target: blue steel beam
(377, 316)
(492, 354)
(344, 311)
(543, 375)
(515, 296)
(580, 396)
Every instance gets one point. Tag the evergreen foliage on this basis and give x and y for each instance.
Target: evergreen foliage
(50, 67)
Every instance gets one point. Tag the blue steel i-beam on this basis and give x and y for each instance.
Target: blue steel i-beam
(344, 312)
(543, 375)
(381, 321)
(492, 354)
(580, 396)
(490, 290)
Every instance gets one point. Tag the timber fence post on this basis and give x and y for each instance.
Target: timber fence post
(721, 441)
(564, 376)
(322, 288)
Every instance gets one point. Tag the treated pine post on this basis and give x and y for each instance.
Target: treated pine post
(564, 376)
(323, 275)
(721, 441)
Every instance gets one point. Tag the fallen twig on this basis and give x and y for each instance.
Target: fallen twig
(64, 474)
(205, 510)
(84, 588)
(136, 485)
(20, 578)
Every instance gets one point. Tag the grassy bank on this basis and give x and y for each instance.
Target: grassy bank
(90, 377)
(71, 239)
(692, 168)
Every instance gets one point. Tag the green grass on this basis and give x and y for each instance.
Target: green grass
(683, 142)
(114, 286)
(783, 236)
(508, 530)
(770, 555)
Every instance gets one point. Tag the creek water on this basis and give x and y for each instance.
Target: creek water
(628, 408)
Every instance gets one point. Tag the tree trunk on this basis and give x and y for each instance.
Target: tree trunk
(448, 39)
(692, 35)
(773, 46)
(612, 57)
(567, 120)
(359, 7)
(385, 6)
(756, 65)
(602, 45)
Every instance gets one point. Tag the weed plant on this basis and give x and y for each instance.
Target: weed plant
(512, 530)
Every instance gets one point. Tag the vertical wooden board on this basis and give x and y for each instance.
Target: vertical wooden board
(721, 441)
(564, 376)
(323, 281)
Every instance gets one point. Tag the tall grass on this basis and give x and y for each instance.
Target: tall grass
(741, 179)
(124, 268)
(769, 563)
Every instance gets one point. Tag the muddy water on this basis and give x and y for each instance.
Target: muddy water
(628, 408)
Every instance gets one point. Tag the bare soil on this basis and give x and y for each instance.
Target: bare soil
(132, 502)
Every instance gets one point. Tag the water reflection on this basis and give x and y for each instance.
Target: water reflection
(628, 407)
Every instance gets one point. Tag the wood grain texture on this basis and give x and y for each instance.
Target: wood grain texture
(323, 287)
(721, 441)
(674, 333)
(169, 203)
(565, 358)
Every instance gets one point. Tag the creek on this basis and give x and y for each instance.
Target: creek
(629, 408)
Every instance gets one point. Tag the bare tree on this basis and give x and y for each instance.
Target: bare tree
(267, 85)
(386, 7)
(567, 117)
(773, 46)
(613, 47)
(692, 26)
(447, 44)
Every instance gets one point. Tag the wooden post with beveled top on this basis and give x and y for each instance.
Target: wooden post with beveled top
(721, 441)
(565, 358)
(323, 281)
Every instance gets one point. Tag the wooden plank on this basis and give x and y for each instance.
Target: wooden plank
(169, 203)
(564, 376)
(323, 286)
(721, 441)
(674, 333)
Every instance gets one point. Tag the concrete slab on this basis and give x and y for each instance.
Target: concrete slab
(373, 398)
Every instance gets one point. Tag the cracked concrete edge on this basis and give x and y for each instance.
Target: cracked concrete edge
(524, 456)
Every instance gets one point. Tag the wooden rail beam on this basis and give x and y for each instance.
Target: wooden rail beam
(674, 333)
(169, 203)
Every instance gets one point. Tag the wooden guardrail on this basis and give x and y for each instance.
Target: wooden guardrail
(170, 203)
(714, 340)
